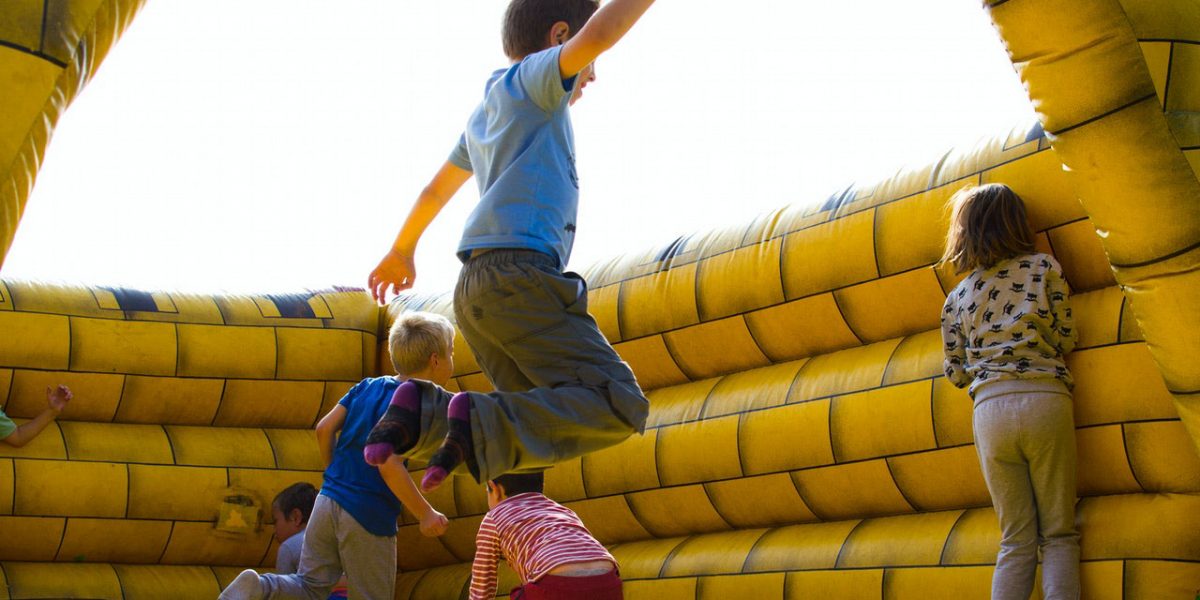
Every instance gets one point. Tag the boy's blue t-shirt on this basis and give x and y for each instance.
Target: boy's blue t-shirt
(356, 486)
(521, 148)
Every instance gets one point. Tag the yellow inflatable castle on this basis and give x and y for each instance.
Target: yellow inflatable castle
(818, 454)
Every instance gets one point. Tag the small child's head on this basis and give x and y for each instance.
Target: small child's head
(291, 509)
(533, 25)
(512, 484)
(422, 346)
(987, 225)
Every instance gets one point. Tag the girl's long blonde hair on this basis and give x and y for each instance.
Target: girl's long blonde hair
(987, 225)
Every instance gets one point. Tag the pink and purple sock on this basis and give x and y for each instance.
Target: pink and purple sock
(456, 448)
(397, 431)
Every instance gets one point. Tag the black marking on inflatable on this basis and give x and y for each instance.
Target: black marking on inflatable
(737, 437)
(275, 374)
(1189, 148)
(875, 243)
(1170, 65)
(66, 522)
(70, 340)
(1121, 317)
(838, 200)
(1088, 121)
(887, 461)
(842, 549)
(669, 345)
(671, 555)
(750, 555)
(716, 509)
(675, 248)
(177, 350)
(12, 476)
(887, 365)
(170, 445)
(1129, 459)
(274, 454)
(996, 3)
(632, 511)
(829, 426)
(702, 415)
(30, 51)
(220, 403)
(133, 300)
(841, 312)
(292, 306)
(946, 544)
(1159, 259)
(1184, 393)
(933, 413)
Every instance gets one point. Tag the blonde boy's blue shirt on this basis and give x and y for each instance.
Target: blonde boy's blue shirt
(520, 145)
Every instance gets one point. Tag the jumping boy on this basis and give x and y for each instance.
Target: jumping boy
(562, 391)
(544, 542)
(352, 527)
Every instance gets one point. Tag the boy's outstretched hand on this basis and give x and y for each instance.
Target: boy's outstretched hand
(434, 524)
(57, 398)
(396, 271)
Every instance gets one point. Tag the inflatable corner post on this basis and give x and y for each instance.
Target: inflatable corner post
(802, 441)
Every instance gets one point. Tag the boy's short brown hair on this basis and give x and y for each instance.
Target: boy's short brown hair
(415, 336)
(526, 23)
(522, 483)
(987, 225)
(298, 496)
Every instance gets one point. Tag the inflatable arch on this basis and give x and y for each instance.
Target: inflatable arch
(818, 453)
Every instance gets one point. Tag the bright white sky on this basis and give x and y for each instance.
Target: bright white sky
(277, 145)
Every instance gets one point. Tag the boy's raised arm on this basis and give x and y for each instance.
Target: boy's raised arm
(600, 33)
(397, 271)
(327, 429)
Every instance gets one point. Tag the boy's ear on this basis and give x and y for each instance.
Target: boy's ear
(560, 32)
(296, 516)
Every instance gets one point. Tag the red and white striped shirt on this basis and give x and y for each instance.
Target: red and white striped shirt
(536, 535)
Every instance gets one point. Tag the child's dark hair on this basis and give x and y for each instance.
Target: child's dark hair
(526, 23)
(987, 225)
(300, 495)
(522, 483)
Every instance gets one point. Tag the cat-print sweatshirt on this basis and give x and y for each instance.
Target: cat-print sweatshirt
(1009, 322)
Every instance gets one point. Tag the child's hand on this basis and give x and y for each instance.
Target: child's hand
(57, 398)
(397, 271)
(434, 524)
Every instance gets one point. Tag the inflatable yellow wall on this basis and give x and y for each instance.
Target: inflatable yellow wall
(802, 442)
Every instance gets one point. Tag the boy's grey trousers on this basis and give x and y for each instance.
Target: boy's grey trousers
(335, 543)
(562, 391)
(1026, 445)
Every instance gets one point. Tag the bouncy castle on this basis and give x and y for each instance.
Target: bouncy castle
(802, 443)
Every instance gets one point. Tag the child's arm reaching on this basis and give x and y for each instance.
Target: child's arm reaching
(56, 400)
(397, 270)
(397, 478)
(600, 33)
(327, 429)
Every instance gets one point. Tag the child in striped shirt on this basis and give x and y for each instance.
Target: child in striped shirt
(544, 542)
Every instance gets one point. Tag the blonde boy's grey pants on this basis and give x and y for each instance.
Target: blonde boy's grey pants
(1026, 445)
(334, 543)
(562, 391)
